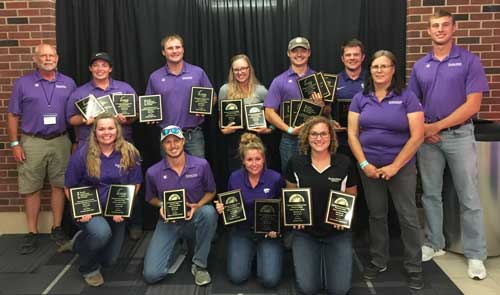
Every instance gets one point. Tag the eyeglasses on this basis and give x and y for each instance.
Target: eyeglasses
(321, 134)
(173, 130)
(380, 67)
(242, 69)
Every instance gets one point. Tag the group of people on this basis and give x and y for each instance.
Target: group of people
(390, 129)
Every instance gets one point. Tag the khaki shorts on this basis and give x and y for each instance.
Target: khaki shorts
(43, 158)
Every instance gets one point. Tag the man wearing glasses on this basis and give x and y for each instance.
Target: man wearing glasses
(450, 82)
(180, 170)
(284, 87)
(173, 82)
(43, 149)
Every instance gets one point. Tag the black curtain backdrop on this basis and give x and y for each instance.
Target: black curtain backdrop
(213, 31)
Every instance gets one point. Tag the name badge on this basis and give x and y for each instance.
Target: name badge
(49, 119)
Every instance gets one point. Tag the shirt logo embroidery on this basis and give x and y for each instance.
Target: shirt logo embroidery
(455, 64)
(395, 102)
(61, 86)
(290, 81)
(192, 175)
(163, 79)
(164, 177)
(117, 166)
(37, 85)
(334, 179)
(267, 190)
(187, 78)
(428, 65)
(341, 87)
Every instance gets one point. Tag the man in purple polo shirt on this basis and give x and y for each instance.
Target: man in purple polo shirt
(180, 170)
(450, 82)
(44, 148)
(284, 87)
(101, 66)
(173, 82)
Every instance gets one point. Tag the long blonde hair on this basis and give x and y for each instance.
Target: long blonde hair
(130, 155)
(234, 90)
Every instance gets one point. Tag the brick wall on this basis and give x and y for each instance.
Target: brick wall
(478, 30)
(24, 24)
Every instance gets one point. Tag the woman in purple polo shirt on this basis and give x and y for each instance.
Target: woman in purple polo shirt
(107, 159)
(386, 127)
(255, 182)
(241, 84)
(322, 253)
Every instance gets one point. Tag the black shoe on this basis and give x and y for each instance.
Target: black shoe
(30, 243)
(58, 236)
(371, 271)
(415, 280)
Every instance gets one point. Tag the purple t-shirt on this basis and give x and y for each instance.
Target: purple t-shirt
(76, 174)
(85, 90)
(196, 178)
(443, 86)
(383, 126)
(269, 187)
(347, 87)
(175, 91)
(38, 101)
(284, 87)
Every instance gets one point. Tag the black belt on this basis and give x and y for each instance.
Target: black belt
(187, 130)
(45, 136)
(457, 126)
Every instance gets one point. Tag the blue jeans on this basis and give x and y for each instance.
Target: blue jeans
(458, 149)
(288, 148)
(99, 244)
(243, 246)
(322, 263)
(200, 229)
(195, 142)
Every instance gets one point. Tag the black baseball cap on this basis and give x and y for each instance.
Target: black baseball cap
(101, 55)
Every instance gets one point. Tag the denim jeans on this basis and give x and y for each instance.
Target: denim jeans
(322, 263)
(201, 229)
(243, 246)
(99, 244)
(401, 187)
(195, 142)
(288, 148)
(457, 148)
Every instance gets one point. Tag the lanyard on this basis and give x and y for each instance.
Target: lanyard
(47, 99)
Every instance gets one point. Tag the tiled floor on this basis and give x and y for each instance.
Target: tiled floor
(455, 266)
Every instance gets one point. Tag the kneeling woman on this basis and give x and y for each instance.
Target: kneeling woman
(107, 159)
(322, 253)
(255, 182)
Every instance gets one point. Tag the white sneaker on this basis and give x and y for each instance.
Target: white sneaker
(476, 270)
(428, 253)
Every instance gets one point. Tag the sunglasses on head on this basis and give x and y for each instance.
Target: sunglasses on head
(174, 130)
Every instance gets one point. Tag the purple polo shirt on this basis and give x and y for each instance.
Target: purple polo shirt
(269, 187)
(347, 87)
(196, 178)
(383, 126)
(34, 98)
(76, 173)
(284, 87)
(443, 86)
(175, 91)
(85, 90)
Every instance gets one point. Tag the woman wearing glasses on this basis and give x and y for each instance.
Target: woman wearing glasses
(386, 127)
(241, 84)
(244, 246)
(322, 253)
(106, 159)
